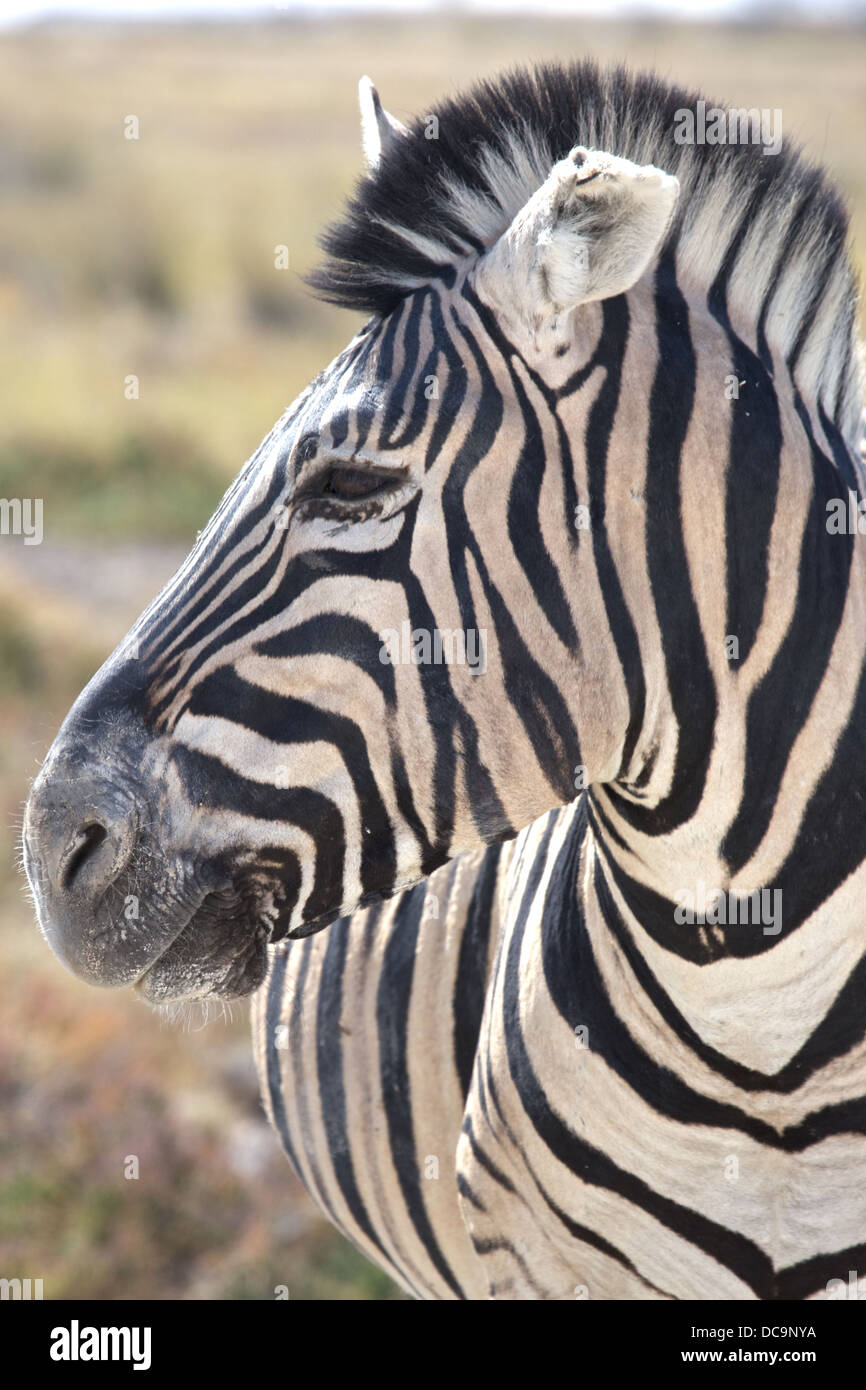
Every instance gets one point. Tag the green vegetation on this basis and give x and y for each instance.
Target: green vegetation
(152, 485)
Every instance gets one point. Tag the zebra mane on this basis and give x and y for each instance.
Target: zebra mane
(768, 224)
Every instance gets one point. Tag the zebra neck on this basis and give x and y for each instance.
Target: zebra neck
(761, 1020)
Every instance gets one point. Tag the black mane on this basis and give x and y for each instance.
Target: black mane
(373, 258)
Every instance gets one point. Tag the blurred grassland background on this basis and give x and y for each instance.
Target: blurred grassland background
(155, 257)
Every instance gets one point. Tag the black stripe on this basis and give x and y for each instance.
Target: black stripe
(597, 1242)
(287, 722)
(534, 696)
(742, 1256)
(468, 1194)
(300, 999)
(332, 1093)
(610, 356)
(334, 634)
(209, 783)
(812, 1276)
(189, 604)
(495, 1247)
(580, 995)
(841, 1029)
(398, 390)
(690, 681)
(392, 1024)
(471, 983)
(524, 496)
(485, 1161)
(754, 463)
(799, 666)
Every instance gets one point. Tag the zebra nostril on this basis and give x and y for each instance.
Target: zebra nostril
(81, 848)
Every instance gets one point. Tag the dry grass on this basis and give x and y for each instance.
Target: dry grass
(155, 256)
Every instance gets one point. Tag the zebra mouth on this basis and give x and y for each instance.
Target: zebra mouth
(220, 952)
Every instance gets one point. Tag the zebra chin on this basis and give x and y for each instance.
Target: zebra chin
(220, 953)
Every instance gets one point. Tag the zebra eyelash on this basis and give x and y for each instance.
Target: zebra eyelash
(347, 492)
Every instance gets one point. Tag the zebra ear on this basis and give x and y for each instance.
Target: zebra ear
(379, 129)
(589, 232)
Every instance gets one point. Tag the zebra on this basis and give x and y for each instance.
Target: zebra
(557, 1041)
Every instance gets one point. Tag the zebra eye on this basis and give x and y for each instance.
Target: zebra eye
(342, 493)
(351, 483)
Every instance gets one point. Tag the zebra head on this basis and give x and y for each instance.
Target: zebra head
(375, 657)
